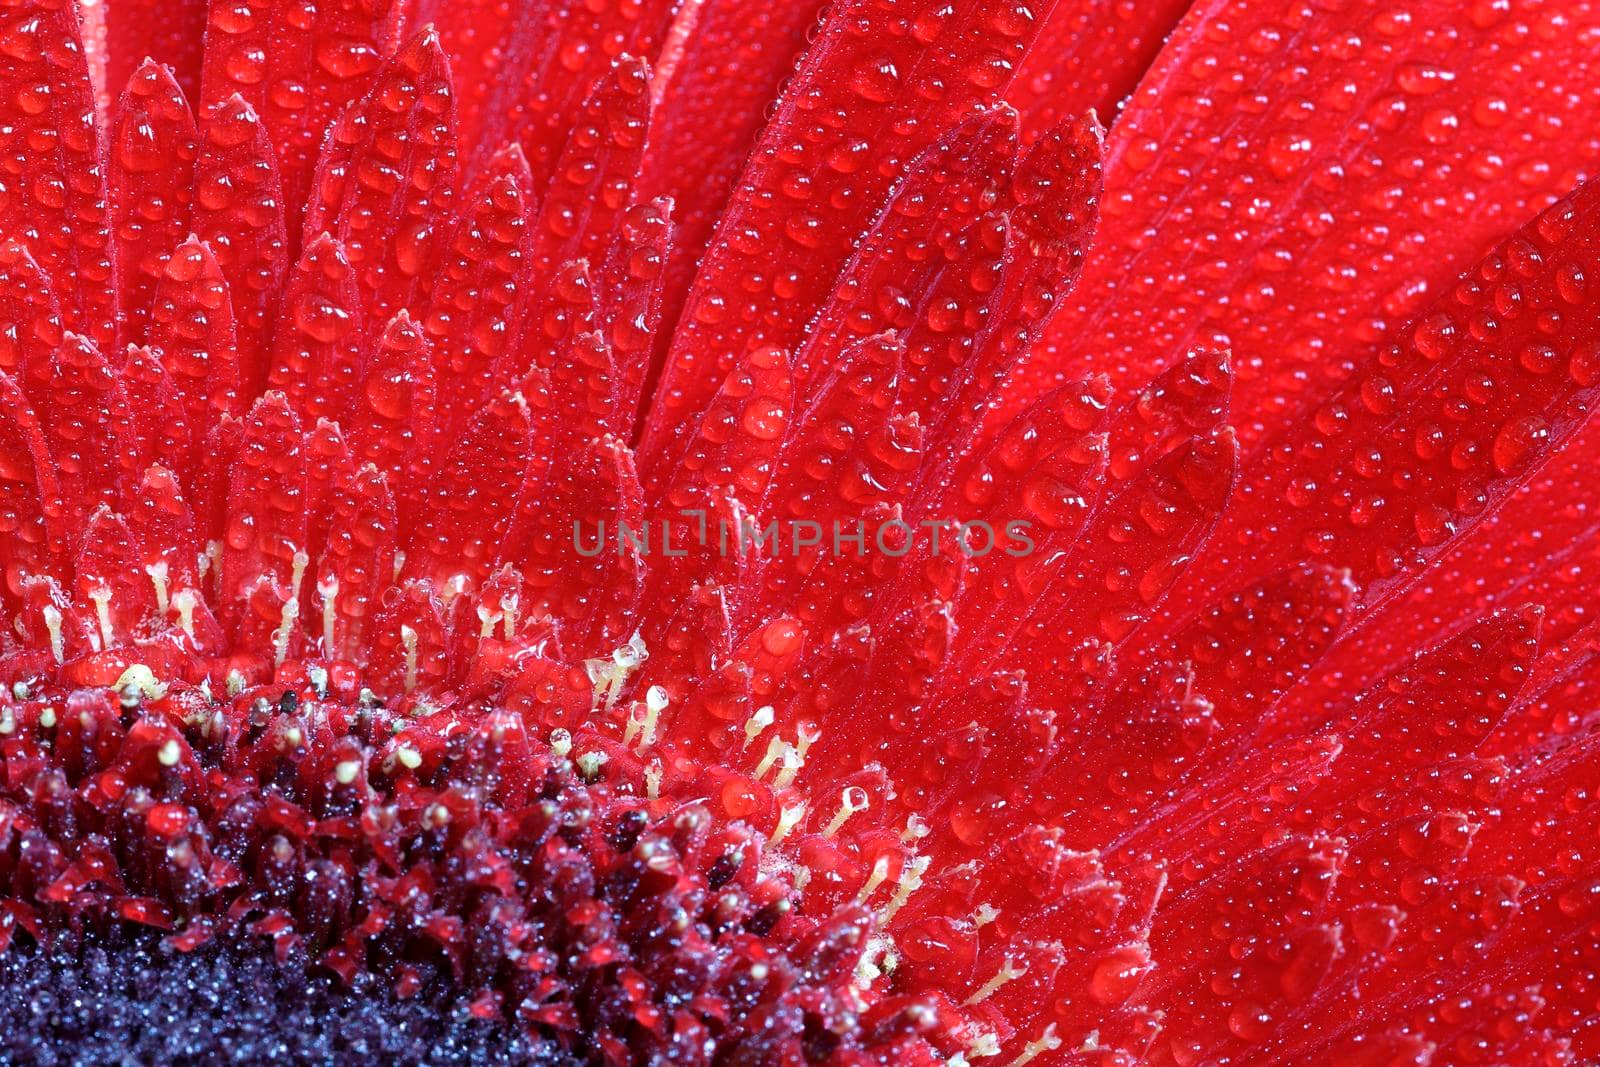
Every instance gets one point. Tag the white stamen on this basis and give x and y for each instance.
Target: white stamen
(909, 882)
(8, 722)
(589, 763)
(508, 614)
(345, 771)
(297, 573)
(609, 675)
(408, 638)
(328, 590)
(52, 622)
(486, 622)
(788, 819)
(212, 559)
(285, 630)
(184, 601)
(1008, 972)
(984, 1045)
(142, 679)
(169, 754)
(880, 871)
(236, 682)
(795, 757)
(1046, 1042)
(652, 779)
(158, 577)
(985, 915)
(560, 742)
(775, 748)
(869, 970)
(758, 721)
(642, 718)
(47, 718)
(409, 758)
(101, 595)
(852, 800)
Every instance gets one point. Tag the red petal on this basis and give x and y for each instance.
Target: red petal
(396, 427)
(591, 492)
(316, 344)
(1088, 56)
(27, 486)
(1110, 578)
(238, 213)
(153, 149)
(30, 316)
(193, 327)
(386, 176)
(357, 561)
(53, 192)
(469, 506)
(155, 426)
(888, 283)
(1433, 433)
(525, 79)
(478, 298)
(840, 474)
(109, 573)
(166, 531)
(298, 67)
(706, 122)
(170, 33)
(84, 430)
(1293, 184)
(811, 188)
(592, 181)
(629, 298)
(266, 518)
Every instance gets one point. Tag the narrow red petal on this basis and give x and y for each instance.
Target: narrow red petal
(53, 192)
(1300, 226)
(155, 425)
(316, 343)
(478, 299)
(706, 122)
(811, 188)
(1431, 435)
(353, 539)
(28, 491)
(592, 181)
(266, 519)
(30, 314)
(239, 213)
(629, 299)
(153, 150)
(83, 429)
(526, 81)
(169, 33)
(590, 494)
(888, 283)
(396, 429)
(193, 327)
(469, 507)
(298, 67)
(1088, 56)
(387, 174)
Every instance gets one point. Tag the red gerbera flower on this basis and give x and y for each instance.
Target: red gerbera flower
(619, 525)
